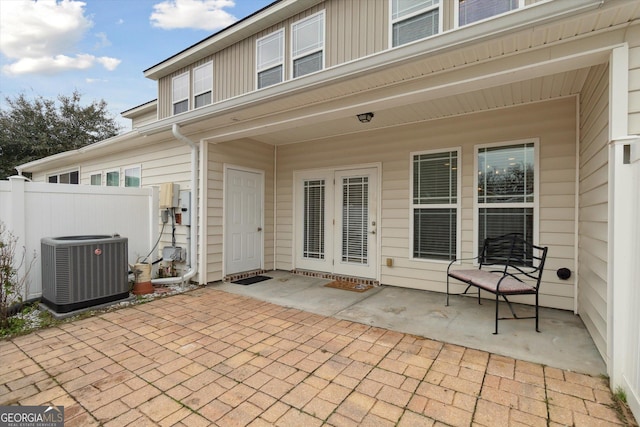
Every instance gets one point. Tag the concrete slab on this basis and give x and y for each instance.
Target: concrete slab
(562, 343)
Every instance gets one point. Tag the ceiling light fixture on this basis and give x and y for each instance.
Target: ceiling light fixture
(365, 117)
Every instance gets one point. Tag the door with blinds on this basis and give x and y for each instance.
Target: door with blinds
(336, 222)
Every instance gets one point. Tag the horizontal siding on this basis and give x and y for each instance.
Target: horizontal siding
(553, 122)
(593, 206)
(246, 154)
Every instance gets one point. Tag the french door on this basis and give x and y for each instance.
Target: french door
(336, 221)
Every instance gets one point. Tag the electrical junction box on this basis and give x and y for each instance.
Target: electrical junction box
(173, 253)
(184, 207)
(169, 194)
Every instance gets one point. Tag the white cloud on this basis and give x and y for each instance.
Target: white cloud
(199, 14)
(57, 64)
(103, 41)
(41, 37)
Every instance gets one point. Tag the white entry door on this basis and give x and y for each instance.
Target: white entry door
(355, 252)
(243, 243)
(336, 221)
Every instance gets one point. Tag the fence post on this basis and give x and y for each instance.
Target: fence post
(17, 224)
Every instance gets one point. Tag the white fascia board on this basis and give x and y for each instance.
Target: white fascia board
(529, 17)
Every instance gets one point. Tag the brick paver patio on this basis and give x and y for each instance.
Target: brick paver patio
(208, 357)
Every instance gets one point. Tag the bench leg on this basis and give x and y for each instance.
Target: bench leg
(497, 302)
(447, 303)
(537, 329)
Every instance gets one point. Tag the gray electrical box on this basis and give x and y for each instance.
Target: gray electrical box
(184, 207)
(173, 253)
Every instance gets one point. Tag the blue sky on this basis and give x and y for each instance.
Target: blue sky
(102, 47)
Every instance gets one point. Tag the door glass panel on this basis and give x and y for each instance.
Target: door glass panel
(314, 194)
(355, 218)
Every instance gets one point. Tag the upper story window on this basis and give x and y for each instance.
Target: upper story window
(469, 11)
(180, 93)
(307, 42)
(414, 20)
(202, 85)
(270, 59)
(72, 177)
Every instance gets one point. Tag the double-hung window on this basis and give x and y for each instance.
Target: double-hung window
(270, 59)
(307, 41)
(414, 20)
(435, 204)
(469, 11)
(506, 190)
(203, 85)
(180, 93)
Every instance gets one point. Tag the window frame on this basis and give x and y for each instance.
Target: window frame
(414, 206)
(100, 174)
(106, 177)
(124, 175)
(196, 93)
(456, 14)
(175, 101)
(536, 190)
(422, 11)
(322, 47)
(281, 63)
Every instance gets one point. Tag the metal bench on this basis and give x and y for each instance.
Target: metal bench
(508, 265)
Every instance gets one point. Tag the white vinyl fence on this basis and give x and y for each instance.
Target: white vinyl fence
(33, 210)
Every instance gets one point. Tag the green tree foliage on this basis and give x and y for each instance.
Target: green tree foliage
(33, 129)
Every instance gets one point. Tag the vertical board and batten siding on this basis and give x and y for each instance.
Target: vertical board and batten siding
(245, 154)
(594, 206)
(553, 122)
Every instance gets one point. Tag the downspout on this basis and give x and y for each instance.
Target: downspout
(193, 256)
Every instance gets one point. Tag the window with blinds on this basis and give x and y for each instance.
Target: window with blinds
(203, 85)
(180, 93)
(475, 10)
(435, 204)
(506, 191)
(270, 57)
(355, 219)
(307, 40)
(314, 204)
(414, 20)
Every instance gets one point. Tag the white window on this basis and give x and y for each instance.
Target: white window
(313, 240)
(435, 204)
(96, 179)
(506, 190)
(71, 177)
(132, 176)
(180, 93)
(270, 59)
(469, 11)
(307, 41)
(203, 85)
(414, 20)
(113, 178)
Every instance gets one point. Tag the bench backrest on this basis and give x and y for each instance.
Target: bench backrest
(514, 255)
